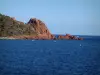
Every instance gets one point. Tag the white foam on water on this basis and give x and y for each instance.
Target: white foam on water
(54, 41)
(33, 40)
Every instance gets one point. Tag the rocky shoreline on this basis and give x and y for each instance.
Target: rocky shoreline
(44, 33)
(34, 29)
(25, 37)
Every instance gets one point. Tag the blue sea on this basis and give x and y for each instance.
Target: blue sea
(50, 57)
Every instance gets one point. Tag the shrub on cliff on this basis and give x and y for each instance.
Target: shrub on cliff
(10, 27)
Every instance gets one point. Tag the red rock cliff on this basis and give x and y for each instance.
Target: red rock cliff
(40, 28)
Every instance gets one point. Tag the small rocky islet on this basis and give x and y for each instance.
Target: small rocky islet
(35, 29)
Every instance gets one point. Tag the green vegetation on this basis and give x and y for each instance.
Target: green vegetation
(11, 27)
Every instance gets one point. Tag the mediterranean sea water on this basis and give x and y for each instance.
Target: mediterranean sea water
(50, 57)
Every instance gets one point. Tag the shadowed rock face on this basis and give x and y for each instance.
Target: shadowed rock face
(40, 28)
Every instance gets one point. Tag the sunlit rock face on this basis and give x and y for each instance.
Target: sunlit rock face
(40, 28)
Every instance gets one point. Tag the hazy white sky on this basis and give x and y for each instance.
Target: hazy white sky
(61, 16)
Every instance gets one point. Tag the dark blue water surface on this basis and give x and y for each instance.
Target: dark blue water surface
(49, 57)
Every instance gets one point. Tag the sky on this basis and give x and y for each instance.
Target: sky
(76, 17)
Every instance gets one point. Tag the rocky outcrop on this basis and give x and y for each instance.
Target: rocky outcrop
(13, 18)
(68, 37)
(43, 32)
(41, 29)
